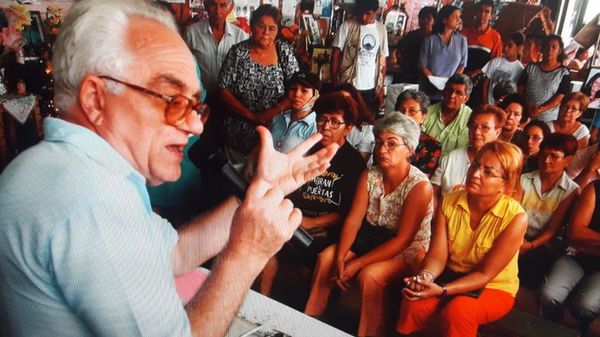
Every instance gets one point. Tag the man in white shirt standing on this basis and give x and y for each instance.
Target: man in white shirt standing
(210, 40)
(359, 52)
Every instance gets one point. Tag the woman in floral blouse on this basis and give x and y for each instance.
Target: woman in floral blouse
(386, 233)
(252, 81)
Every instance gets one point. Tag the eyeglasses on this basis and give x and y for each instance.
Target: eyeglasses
(390, 146)
(451, 92)
(334, 123)
(483, 127)
(178, 106)
(410, 112)
(486, 171)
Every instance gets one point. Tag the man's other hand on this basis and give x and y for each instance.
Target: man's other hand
(289, 171)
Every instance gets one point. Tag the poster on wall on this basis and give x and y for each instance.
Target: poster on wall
(592, 87)
(311, 26)
(327, 8)
(196, 3)
(288, 11)
(240, 9)
(274, 3)
(596, 58)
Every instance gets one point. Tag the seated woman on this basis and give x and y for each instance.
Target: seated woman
(252, 81)
(361, 137)
(535, 132)
(571, 108)
(576, 275)
(473, 254)
(515, 110)
(414, 104)
(325, 200)
(386, 232)
(548, 194)
(485, 125)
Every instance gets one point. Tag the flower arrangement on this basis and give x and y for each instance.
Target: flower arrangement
(18, 16)
(54, 16)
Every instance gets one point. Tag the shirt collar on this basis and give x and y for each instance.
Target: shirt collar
(562, 183)
(309, 119)
(208, 29)
(497, 210)
(91, 144)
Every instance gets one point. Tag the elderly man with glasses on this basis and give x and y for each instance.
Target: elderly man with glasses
(81, 252)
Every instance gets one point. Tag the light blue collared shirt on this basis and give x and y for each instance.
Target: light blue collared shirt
(287, 133)
(81, 252)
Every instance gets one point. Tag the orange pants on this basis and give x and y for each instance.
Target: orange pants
(459, 317)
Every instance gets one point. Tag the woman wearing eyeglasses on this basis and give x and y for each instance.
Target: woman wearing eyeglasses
(485, 125)
(252, 81)
(548, 194)
(385, 234)
(571, 108)
(469, 275)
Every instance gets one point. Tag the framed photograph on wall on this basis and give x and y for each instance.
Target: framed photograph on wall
(35, 34)
(592, 88)
(596, 58)
(196, 3)
(311, 26)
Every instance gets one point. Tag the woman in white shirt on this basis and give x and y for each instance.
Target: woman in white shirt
(571, 108)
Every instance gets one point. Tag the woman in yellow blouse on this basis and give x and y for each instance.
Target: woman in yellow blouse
(469, 276)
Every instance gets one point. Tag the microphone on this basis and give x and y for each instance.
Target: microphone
(213, 159)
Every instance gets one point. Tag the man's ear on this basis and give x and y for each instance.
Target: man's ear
(92, 99)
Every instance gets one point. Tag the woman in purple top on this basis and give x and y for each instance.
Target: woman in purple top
(444, 52)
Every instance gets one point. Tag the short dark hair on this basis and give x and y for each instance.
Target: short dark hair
(540, 124)
(442, 15)
(460, 79)
(562, 142)
(427, 11)
(363, 6)
(266, 10)
(337, 102)
(482, 3)
(517, 38)
(580, 51)
(518, 99)
(553, 37)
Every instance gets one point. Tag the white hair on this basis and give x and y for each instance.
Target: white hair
(93, 40)
(404, 127)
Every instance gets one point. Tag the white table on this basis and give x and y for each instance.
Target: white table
(259, 310)
(272, 314)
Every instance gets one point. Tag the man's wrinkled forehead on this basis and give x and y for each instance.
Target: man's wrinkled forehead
(159, 54)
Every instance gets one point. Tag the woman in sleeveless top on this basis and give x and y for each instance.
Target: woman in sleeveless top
(386, 232)
(469, 276)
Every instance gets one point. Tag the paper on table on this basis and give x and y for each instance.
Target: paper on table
(438, 81)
